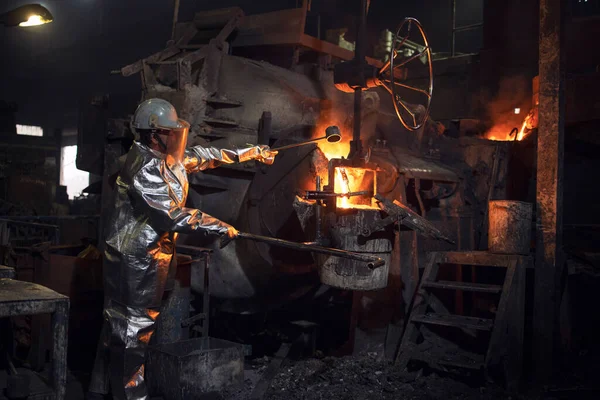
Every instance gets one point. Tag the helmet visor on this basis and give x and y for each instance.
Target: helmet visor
(177, 142)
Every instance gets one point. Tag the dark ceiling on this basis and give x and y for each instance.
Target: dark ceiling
(48, 69)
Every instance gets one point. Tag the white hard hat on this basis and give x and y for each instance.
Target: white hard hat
(156, 114)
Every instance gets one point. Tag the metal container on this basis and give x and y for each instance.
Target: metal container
(346, 235)
(194, 369)
(509, 230)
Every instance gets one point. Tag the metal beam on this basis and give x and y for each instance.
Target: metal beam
(549, 192)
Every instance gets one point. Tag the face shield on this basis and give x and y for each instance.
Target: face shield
(176, 141)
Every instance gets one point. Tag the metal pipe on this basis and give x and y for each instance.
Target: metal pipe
(356, 143)
(373, 262)
(360, 56)
(360, 50)
(175, 18)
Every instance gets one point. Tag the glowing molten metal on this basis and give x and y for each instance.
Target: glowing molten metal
(502, 132)
(347, 179)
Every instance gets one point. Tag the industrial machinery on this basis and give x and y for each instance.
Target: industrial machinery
(334, 195)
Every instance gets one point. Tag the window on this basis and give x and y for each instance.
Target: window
(75, 180)
(29, 130)
(467, 22)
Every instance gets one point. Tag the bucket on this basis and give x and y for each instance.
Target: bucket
(509, 228)
(194, 369)
(346, 234)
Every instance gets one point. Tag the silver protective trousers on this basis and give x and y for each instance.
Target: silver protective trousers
(120, 359)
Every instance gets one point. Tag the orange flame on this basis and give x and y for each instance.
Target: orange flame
(342, 181)
(502, 132)
(349, 180)
(335, 150)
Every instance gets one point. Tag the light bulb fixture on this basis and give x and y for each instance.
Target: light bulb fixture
(26, 16)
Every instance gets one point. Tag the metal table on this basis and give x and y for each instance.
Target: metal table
(26, 298)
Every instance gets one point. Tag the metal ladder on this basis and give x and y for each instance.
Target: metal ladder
(422, 342)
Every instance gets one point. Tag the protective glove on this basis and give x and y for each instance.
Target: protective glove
(232, 233)
(261, 153)
(229, 236)
(266, 155)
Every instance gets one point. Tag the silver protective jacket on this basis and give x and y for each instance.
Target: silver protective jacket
(149, 211)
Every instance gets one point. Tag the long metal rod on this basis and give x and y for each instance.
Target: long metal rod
(47, 217)
(372, 261)
(359, 55)
(318, 195)
(361, 32)
(357, 145)
(289, 146)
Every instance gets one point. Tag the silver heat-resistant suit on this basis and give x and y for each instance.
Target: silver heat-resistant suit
(148, 214)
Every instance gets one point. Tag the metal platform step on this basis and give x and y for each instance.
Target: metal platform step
(476, 258)
(466, 286)
(457, 321)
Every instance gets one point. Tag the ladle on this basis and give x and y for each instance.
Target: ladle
(332, 134)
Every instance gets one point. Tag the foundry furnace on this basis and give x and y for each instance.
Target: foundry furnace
(226, 97)
(364, 180)
(299, 199)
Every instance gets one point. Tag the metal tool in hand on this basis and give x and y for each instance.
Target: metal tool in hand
(372, 261)
(332, 135)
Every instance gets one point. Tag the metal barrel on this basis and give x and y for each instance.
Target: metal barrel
(509, 229)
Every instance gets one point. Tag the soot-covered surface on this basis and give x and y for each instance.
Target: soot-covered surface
(357, 378)
(365, 378)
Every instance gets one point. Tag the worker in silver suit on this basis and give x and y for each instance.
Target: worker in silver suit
(149, 212)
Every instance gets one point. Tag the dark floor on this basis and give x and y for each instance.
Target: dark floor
(363, 377)
(369, 375)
